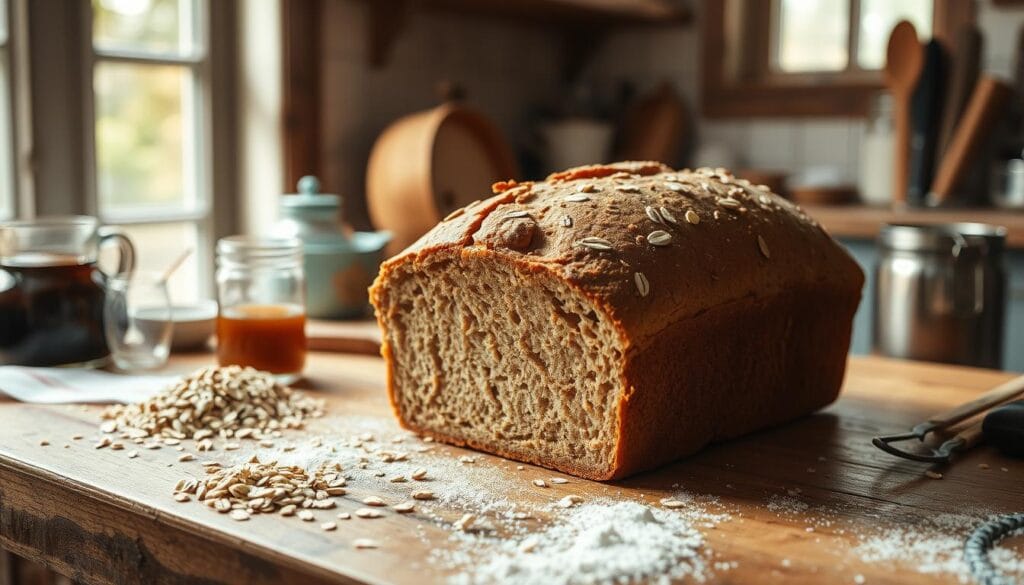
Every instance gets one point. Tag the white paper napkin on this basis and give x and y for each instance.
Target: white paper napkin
(72, 385)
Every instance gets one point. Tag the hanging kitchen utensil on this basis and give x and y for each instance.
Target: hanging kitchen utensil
(925, 116)
(967, 437)
(963, 75)
(904, 59)
(653, 128)
(428, 164)
(987, 105)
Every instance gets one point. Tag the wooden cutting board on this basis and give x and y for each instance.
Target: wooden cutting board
(359, 337)
(101, 517)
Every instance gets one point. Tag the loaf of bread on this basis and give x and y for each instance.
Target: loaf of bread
(613, 318)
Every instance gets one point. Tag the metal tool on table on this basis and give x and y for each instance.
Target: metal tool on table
(1003, 426)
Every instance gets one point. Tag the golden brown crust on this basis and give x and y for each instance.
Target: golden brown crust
(747, 242)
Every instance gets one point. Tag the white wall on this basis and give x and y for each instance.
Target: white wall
(261, 157)
(790, 145)
(506, 70)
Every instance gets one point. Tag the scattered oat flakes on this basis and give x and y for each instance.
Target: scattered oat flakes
(540, 483)
(569, 501)
(328, 526)
(404, 507)
(933, 474)
(422, 495)
(368, 513)
(465, 523)
(362, 543)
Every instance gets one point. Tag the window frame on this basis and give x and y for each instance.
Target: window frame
(197, 63)
(826, 94)
(55, 120)
(12, 205)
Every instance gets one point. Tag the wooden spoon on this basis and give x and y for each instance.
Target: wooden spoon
(903, 63)
(987, 105)
(963, 75)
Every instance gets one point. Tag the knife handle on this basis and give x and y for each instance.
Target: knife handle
(994, 397)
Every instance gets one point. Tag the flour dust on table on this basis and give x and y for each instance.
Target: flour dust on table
(486, 519)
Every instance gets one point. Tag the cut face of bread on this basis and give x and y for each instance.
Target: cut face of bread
(518, 363)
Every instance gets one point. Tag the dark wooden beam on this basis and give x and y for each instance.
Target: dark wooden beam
(301, 22)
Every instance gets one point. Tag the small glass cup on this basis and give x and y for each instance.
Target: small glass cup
(137, 320)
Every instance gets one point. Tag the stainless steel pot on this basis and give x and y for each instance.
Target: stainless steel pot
(940, 293)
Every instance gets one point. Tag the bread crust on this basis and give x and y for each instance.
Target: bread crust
(742, 248)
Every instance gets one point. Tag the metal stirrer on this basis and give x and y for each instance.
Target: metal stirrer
(965, 439)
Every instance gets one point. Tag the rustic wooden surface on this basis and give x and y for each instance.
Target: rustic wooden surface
(360, 336)
(858, 221)
(98, 516)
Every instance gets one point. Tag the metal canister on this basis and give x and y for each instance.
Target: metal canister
(940, 293)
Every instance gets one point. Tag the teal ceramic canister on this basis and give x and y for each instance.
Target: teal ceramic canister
(339, 266)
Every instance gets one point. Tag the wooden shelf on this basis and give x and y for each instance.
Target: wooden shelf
(570, 11)
(583, 23)
(856, 221)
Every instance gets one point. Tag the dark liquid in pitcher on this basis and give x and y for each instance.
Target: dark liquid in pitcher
(51, 311)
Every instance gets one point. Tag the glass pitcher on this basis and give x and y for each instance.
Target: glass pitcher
(51, 290)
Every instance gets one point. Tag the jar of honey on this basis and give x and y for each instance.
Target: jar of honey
(261, 289)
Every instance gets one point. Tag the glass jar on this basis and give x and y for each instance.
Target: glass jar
(876, 153)
(261, 289)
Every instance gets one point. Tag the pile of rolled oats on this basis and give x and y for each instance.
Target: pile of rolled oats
(265, 488)
(228, 402)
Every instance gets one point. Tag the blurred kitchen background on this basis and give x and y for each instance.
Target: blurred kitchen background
(186, 120)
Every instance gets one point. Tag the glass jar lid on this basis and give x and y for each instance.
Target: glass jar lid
(241, 251)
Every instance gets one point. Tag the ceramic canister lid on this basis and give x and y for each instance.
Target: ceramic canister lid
(309, 196)
(315, 218)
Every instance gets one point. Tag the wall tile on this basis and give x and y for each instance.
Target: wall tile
(773, 144)
(731, 134)
(1000, 26)
(826, 143)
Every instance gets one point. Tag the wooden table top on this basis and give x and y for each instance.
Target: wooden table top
(797, 500)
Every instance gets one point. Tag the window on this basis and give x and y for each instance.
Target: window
(808, 57)
(821, 35)
(150, 109)
(8, 193)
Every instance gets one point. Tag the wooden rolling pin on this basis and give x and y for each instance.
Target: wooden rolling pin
(988, 103)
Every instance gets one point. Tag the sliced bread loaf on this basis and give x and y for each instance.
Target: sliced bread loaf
(615, 317)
